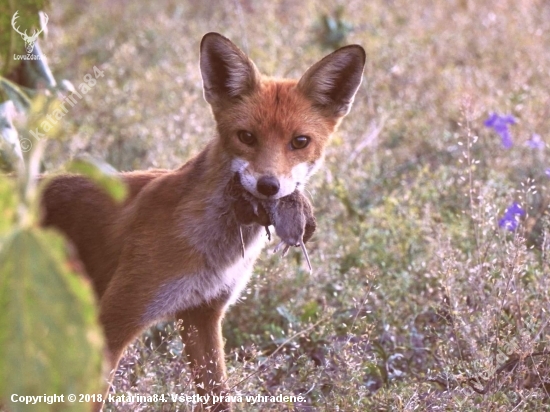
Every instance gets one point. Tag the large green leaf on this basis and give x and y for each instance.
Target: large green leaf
(50, 341)
(8, 205)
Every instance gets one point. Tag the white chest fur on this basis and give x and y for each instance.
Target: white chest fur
(193, 289)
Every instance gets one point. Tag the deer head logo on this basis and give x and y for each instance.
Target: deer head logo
(29, 40)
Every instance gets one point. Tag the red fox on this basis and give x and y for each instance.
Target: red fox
(173, 248)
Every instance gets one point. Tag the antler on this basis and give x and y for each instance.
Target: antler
(35, 34)
(15, 16)
(25, 35)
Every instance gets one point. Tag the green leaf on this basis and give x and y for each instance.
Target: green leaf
(8, 205)
(50, 341)
(103, 174)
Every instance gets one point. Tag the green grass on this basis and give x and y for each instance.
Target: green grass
(415, 288)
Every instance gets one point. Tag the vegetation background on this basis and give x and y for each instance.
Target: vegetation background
(430, 288)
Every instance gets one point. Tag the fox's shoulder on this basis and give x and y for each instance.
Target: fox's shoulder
(137, 180)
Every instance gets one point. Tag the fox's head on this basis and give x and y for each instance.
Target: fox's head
(275, 130)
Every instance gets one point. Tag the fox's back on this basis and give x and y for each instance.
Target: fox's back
(90, 218)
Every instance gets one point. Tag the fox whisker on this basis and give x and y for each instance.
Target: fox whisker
(242, 239)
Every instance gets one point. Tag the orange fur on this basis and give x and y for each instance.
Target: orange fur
(173, 247)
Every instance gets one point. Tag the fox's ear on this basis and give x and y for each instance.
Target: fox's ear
(226, 71)
(332, 82)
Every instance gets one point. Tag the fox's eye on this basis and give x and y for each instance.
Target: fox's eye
(299, 142)
(246, 137)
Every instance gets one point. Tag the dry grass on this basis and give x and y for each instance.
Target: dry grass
(416, 289)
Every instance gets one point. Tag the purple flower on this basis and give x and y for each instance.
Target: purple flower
(535, 142)
(510, 220)
(500, 125)
(547, 171)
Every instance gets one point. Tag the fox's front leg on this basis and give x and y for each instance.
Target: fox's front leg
(120, 314)
(202, 336)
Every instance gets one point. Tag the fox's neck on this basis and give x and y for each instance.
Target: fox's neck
(210, 215)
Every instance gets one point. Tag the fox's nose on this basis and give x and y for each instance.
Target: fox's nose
(268, 185)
